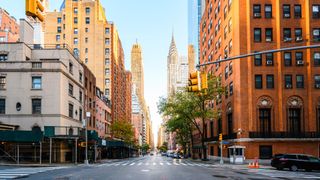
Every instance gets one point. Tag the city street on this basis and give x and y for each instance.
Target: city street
(153, 167)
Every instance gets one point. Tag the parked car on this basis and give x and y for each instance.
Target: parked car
(295, 162)
(151, 153)
(163, 154)
(176, 156)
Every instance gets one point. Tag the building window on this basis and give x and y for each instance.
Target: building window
(316, 58)
(70, 91)
(80, 77)
(59, 20)
(298, 34)
(317, 81)
(286, 11)
(75, 41)
(316, 11)
(107, 30)
(107, 82)
(107, 41)
(3, 57)
(230, 123)
(265, 120)
(86, 50)
(226, 72)
(86, 40)
(87, 20)
(294, 116)
(107, 71)
(288, 81)
(287, 59)
(87, 10)
(299, 58)
(86, 30)
(316, 34)
(257, 34)
(75, 31)
(270, 81)
(2, 82)
(230, 68)
(258, 81)
(269, 59)
(75, 20)
(36, 106)
(75, 10)
(230, 25)
(269, 36)
(258, 60)
(297, 11)
(70, 110)
(225, 11)
(76, 52)
(287, 34)
(80, 96)
(107, 61)
(37, 65)
(268, 11)
(59, 29)
(57, 37)
(300, 81)
(231, 88)
(70, 68)
(257, 11)
(107, 92)
(2, 106)
(107, 50)
(226, 93)
(36, 82)
(80, 114)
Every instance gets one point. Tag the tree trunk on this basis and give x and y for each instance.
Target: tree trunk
(191, 144)
(204, 148)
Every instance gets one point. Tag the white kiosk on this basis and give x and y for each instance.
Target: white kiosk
(236, 154)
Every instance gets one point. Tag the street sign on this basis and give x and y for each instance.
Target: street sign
(225, 142)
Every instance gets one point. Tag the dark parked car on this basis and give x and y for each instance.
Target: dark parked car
(295, 162)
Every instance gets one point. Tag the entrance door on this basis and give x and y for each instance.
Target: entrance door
(294, 120)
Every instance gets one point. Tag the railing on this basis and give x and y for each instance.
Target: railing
(54, 46)
(284, 134)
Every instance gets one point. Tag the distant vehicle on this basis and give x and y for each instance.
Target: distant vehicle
(151, 154)
(295, 162)
(176, 156)
(163, 154)
(170, 153)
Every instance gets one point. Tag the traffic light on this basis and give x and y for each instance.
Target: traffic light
(220, 137)
(83, 144)
(194, 82)
(34, 8)
(204, 81)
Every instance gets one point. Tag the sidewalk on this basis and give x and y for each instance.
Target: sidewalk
(227, 164)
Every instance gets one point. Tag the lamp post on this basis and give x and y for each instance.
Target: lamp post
(88, 115)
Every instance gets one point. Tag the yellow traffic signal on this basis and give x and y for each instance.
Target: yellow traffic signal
(220, 137)
(194, 82)
(204, 81)
(34, 8)
(83, 144)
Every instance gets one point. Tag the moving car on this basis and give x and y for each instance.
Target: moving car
(295, 162)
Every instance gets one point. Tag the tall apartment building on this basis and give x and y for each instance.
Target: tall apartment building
(137, 70)
(271, 104)
(9, 27)
(121, 100)
(191, 58)
(83, 26)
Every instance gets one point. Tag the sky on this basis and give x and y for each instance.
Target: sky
(151, 23)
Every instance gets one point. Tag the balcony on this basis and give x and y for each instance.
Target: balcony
(284, 135)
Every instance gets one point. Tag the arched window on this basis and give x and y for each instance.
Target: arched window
(265, 115)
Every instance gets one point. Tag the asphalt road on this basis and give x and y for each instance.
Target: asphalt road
(153, 168)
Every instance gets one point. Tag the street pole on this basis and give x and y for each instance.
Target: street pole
(86, 162)
(221, 157)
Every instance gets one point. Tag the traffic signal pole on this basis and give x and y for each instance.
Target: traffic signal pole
(259, 53)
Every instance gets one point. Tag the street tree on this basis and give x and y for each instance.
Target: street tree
(191, 108)
(123, 130)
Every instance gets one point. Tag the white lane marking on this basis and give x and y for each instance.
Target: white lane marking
(117, 164)
(139, 163)
(132, 164)
(168, 163)
(161, 164)
(145, 170)
(124, 164)
(154, 164)
(183, 164)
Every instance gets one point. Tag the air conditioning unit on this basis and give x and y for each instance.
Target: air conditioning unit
(257, 14)
(268, 39)
(286, 39)
(287, 15)
(269, 62)
(300, 62)
(299, 38)
(288, 86)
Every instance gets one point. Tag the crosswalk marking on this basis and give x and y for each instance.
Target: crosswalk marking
(139, 164)
(22, 172)
(132, 164)
(147, 164)
(154, 164)
(161, 164)
(168, 163)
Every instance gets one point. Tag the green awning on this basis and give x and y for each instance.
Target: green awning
(21, 136)
(115, 144)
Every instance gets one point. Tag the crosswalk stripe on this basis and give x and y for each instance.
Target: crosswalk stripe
(168, 163)
(139, 164)
(161, 164)
(183, 164)
(132, 164)
(147, 164)
(154, 164)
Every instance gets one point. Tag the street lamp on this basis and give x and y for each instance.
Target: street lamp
(88, 115)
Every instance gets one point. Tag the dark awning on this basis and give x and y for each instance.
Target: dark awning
(21, 136)
(113, 143)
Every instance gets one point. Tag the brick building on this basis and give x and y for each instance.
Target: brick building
(271, 104)
(9, 28)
